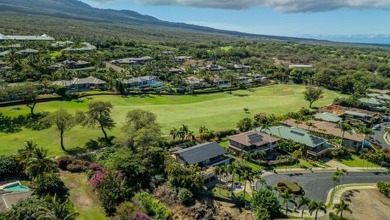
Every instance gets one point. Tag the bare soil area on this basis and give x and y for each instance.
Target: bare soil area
(368, 204)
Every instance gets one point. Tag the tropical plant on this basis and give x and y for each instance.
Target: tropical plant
(312, 94)
(39, 163)
(304, 201)
(316, 206)
(287, 198)
(63, 121)
(266, 199)
(55, 210)
(99, 113)
(341, 207)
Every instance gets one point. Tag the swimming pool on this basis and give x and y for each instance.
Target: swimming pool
(17, 187)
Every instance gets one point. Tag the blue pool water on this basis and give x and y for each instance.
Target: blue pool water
(16, 188)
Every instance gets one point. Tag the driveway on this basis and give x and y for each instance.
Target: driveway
(317, 185)
(379, 136)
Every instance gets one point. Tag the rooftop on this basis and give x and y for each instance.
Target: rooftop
(300, 66)
(200, 152)
(21, 37)
(255, 138)
(325, 127)
(327, 116)
(296, 135)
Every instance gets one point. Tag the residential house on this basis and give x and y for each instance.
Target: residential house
(43, 37)
(206, 155)
(382, 96)
(142, 82)
(71, 64)
(373, 102)
(214, 67)
(177, 70)
(327, 116)
(27, 52)
(87, 47)
(244, 80)
(291, 66)
(82, 84)
(197, 82)
(168, 52)
(257, 77)
(239, 66)
(132, 60)
(350, 138)
(352, 114)
(62, 44)
(5, 53)
(252, 141)
(221, 83)
(317, 146)
(182, 58)
(3, 64)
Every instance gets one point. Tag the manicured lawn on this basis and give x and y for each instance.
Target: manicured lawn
(357, 162)
(215, 111)
(86, 203)
(298, 165)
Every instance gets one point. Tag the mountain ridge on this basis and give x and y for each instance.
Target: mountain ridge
(78, 10)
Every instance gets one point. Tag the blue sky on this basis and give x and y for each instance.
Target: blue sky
(278, 17)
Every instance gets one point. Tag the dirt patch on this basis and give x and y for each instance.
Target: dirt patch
(368, 204)
(78, 187)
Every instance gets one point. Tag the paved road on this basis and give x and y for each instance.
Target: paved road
(379, 135)
(317, 185)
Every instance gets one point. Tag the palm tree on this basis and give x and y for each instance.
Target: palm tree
(232, 169)
(287, 197)
(336, 179)
(344, 127)
(365, 131)
(190, 135)
(341, 207)
(26, 152)
(248, 176)
(304, 201)
(39, 163)
(316, 206)
(55, 211)
(219, 170)
(174, 133)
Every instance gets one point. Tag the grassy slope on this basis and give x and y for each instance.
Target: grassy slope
(215, 111)
(85, 201)
(358, 162)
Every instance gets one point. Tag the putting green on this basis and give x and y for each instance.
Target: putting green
(215, 111)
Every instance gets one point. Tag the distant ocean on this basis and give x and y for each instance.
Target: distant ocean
(367, 39)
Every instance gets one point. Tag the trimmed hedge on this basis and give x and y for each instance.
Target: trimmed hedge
(291, 187)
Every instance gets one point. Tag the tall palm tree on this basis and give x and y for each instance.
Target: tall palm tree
(344, 127)
(365, 131)
(287, 197)
(174, 133)
(39, 163)
(56, 211)
(248, 176)
(341, 207)
(304, 201)
(26, 152)
(316, 206)
(232, 169)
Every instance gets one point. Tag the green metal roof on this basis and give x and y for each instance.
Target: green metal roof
(295, 134)
(327, 116)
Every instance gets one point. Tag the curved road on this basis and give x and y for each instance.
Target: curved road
(379, 136)
(317, 185)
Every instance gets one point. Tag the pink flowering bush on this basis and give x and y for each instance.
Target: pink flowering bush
(96, 178)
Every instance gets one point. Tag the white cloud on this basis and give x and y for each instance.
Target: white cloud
(289, 6)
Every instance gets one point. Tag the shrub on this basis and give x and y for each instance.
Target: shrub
(78, 166)
(63, 162)
(384, 187)
(9, 167)
(48, 184)
(125, 210)
(152, 206)
(291, 187)
(185, 197)
(224, 133)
